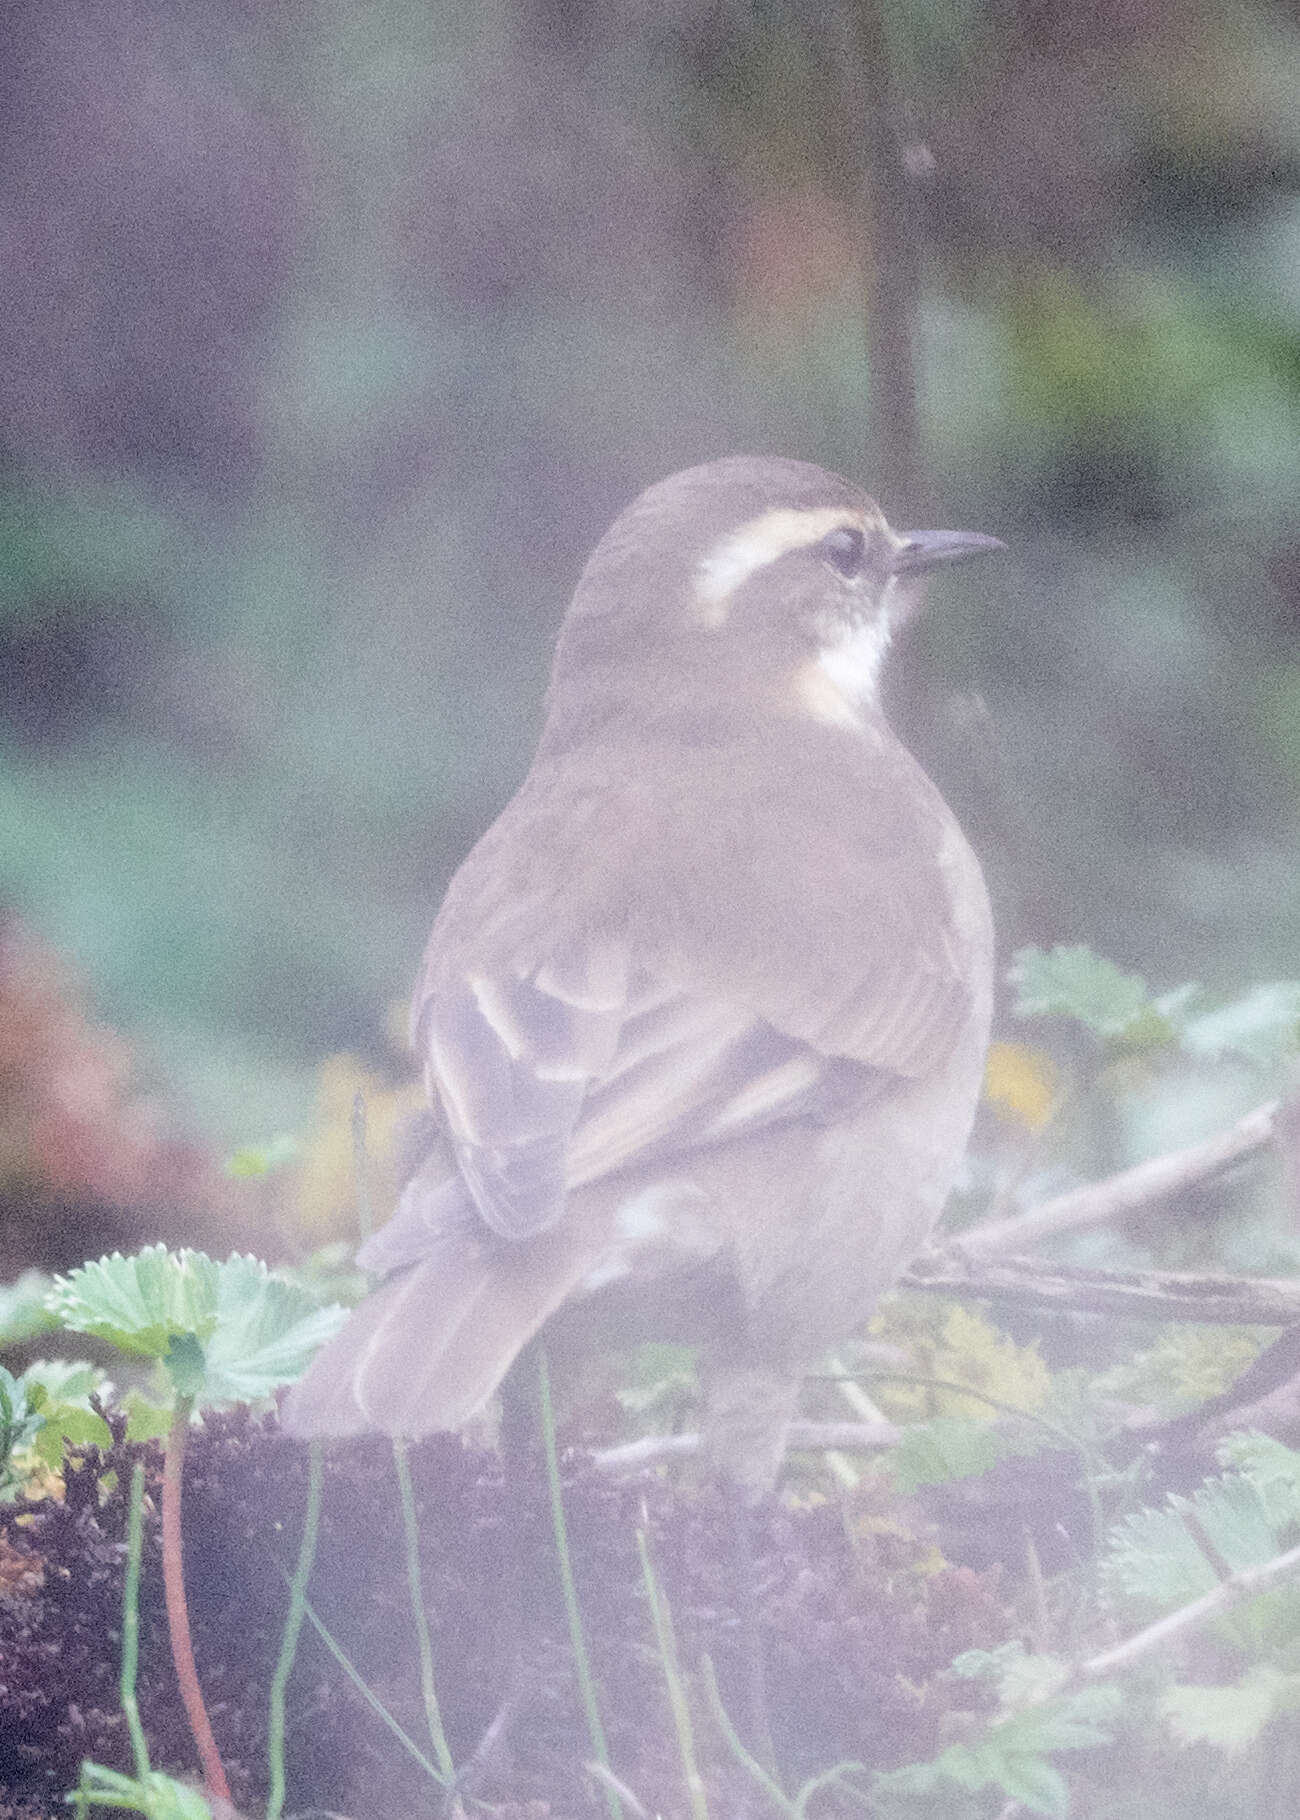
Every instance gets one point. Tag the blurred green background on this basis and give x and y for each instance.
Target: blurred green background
(332, 336)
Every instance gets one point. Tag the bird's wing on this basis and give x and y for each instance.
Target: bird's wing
(612, 982)
(555, 1079)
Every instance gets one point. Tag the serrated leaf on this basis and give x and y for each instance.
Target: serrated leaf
(1261, 1027)
(1271, 1467)
(1074, 982)
(266, 1334)
(1026, 1778)
(1230, 1718)
(226, 1332)
(141, 1303)
(1156, 1560)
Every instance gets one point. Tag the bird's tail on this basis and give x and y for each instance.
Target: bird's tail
(427, 1349)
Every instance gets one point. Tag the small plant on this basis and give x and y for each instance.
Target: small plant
(222, 1333)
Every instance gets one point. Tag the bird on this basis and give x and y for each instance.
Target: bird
(703, 1015)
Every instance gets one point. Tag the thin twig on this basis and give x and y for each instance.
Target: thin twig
(802, 1437)
(677, 1701)
(371, 1699)
(732, 1739)
(131, 1624)
(415, 1584)
(573, 1611)
(834, 1777)
(1130, 1191)
(870, 108)
(292, 1628)
(604, 1777)
(361, 1166)
(1146, 1295)
(1246, 1583)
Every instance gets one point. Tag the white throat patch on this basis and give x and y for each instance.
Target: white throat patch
(844, 677)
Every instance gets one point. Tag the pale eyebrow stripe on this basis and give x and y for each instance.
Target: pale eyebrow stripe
(736, 557)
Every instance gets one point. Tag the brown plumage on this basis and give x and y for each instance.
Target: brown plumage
(709, 1001)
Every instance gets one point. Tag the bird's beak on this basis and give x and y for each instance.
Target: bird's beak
(922, 550)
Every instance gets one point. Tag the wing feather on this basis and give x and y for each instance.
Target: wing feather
(611, 982)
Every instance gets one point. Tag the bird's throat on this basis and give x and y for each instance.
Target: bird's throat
(841, 684)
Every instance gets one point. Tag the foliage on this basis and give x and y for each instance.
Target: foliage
(1013, 1752)
(950, 1344)
(24, 1310)
(154, 1795)
(227, 1332)
(1183, 1367)
(1159, 1559)
(1261, 1027)
(1230, 1718)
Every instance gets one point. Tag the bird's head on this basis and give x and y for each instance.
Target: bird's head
(746, 581)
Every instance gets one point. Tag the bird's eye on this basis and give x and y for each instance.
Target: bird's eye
(845, 550)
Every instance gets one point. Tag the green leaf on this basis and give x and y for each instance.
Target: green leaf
(1115, 1006)
(20, 1419)
(146, 1420)
(61, 1389)
(267, 1332)
(1271, 1467)
(226, 1332)
(1230, 1718)
(1074, 1722)
(1156, 1560)
(1262, 1027)
(1025, 1778)
(186, 1364)
(154, 1795)
(23, 1308)
(1012, 1753)
(986, 1664)
(1035, 1784)
(950, 1447)
(141, 1303)
(1182, 1368)
(254, 1161)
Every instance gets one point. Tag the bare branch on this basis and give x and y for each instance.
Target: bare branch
(1148, 1295)
(1130, 1191)
(803, 1437)
(1245, 1584)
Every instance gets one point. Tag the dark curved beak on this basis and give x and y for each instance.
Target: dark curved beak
(922, 550)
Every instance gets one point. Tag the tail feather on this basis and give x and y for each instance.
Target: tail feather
(427, 1349)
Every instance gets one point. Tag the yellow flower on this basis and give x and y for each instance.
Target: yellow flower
(1021, 1083)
